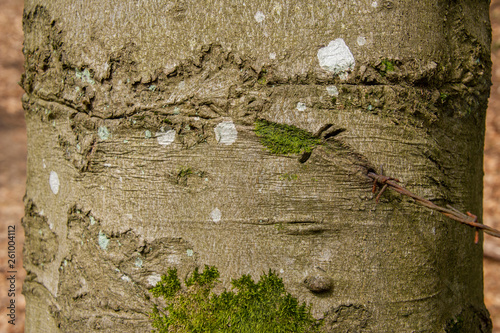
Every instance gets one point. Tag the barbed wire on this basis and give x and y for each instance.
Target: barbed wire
(468, 218)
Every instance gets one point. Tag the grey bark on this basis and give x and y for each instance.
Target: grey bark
(143, 156)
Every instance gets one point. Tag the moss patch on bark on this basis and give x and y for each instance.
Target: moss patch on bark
(262, 306)
(283, 139)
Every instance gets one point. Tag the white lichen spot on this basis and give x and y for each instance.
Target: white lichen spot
(153, 279)
(103, 133)
(165, 138)
(336, 57)
(226, 133)
(272, 56)
(92, 220)
(125, 278)
(103, 240)
(301, 106)
(361, 40)
(374, 4)
(189, 252)
(51, 226)
(216, 215)
(84, 75)
(43, 163)
(54, 182)
(259, 16)
(138, 262)
(332, 91)
(147, 134)
(282, 271)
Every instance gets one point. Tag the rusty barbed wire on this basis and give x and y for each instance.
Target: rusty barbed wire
(468, 219)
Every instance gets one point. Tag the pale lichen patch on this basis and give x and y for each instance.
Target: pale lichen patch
(84, 75)
(336, 57)
(216, 215)
(226, 133)
(301, 106)
(153, 279)
(165, 138)
(103, 240)
(125, 278)
(103, 133)
(332, 91)
(54, 182)
(138, 262)
(259, 16)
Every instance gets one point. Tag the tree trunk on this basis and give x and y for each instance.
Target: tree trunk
(160, 135)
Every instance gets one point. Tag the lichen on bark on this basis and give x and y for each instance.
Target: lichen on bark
(151, 131)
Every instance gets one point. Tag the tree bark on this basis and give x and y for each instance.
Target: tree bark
(143, 155)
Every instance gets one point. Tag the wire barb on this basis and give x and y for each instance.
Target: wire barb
(453, 213)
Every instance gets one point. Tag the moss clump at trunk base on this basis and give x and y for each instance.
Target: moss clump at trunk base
(262, 306)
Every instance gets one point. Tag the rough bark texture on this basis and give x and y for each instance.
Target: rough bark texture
(143, 156)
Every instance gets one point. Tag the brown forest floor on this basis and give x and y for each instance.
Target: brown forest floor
(13, 161)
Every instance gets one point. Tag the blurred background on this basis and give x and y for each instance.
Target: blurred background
(13, 162)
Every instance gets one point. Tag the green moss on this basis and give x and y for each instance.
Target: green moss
(386, 66)
(181, 177)
(184, 172)
(284, 139)
(443, 97)
(262, 306)
(262, 77)
(289, 176)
